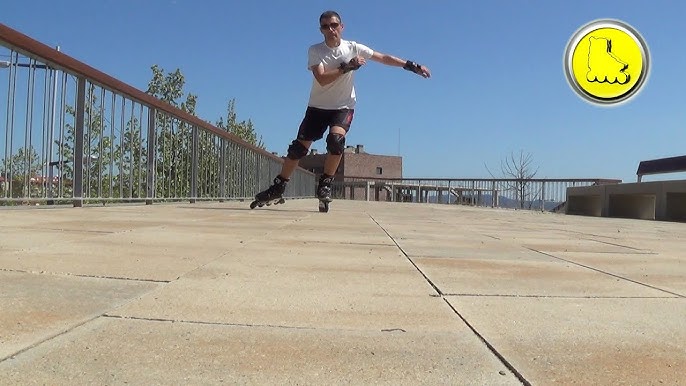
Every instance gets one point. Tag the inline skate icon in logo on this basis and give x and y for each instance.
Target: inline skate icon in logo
(603, 65)
(606, 62)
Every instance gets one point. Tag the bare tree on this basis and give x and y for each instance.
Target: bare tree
(518, 169)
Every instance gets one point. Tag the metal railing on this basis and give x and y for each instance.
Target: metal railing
(73, 134)
(539, 194)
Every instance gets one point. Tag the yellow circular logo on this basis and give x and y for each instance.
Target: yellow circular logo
(606, 62)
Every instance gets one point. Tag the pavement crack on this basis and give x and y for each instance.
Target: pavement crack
(347, 243)
(393, 330)
(206, 323)
(123, 278)
(53, 336)
(638, 250)
(65, 230)
(608, 273)
(560, 296)
(495, 352)
(67, 274)
(434, 286)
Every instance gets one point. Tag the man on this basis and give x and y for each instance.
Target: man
(332, 102)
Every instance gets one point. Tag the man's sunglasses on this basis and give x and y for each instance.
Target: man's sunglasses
(329, 26)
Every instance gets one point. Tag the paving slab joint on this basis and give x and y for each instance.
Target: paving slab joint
(431, 283)
(495, 352)
(609, 273)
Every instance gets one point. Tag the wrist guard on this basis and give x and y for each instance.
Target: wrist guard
(413, 67)
(352, 65)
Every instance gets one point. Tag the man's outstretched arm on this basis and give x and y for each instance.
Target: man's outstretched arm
(391, 60)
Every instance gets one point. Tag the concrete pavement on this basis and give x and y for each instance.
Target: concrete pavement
(369, 293)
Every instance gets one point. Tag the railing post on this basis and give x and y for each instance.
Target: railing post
(78, 141)
(439, 192)
(474, 198)
(242, 172)
(152, 139)
(494, 195)
(419, 191)
(366, 192)
(222, 170)
(53, 111)
(448, 191)
(194, 166)
(543, 196)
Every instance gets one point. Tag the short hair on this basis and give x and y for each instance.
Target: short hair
(328, 15)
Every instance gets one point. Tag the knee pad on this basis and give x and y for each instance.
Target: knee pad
(335, 143)
(296, 150)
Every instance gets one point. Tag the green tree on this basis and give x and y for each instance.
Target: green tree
(237, 162)
(174, 136)
(24, 163)
(174, 143)
(133, 159)
(98, 149)
(21, 168)
(243, 129)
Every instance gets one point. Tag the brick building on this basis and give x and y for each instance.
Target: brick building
(356, 164)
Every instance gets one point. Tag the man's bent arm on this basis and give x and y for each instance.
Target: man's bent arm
(325, 77)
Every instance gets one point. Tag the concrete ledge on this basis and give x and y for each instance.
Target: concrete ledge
(676, 205)
(639, 206)
(657, 200)
(585, 201)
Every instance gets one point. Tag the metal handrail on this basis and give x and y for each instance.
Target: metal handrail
(146, 122)
(58, 60)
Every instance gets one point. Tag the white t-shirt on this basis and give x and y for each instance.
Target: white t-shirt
(340, 94)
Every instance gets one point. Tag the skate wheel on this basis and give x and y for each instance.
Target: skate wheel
(253, 204)
(281, 201)
(323, 206)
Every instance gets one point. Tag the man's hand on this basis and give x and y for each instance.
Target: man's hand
(352, 65)
(424, 71)
(417, 69)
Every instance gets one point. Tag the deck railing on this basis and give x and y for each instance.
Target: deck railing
(540, 194)
(73, 134)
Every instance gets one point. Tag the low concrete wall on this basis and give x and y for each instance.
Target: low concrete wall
(586, 201)
(676, 206)
(657, 200)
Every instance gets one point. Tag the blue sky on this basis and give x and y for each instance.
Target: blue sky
(498, 84)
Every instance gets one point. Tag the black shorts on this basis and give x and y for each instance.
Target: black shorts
(316, 122)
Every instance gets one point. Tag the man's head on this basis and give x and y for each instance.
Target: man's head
(329, 15)
(331, 26)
